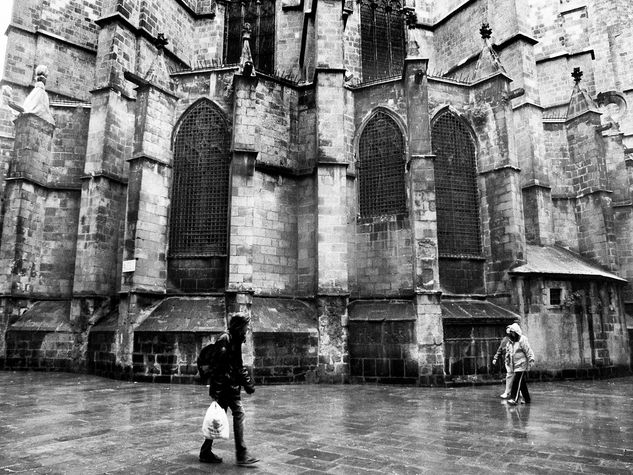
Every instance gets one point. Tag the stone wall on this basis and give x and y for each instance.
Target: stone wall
(586, 330)
(39, 350)
(306, 236)
(274, 231)
(281, 357)
(383, 352)
(383, 257)
(161, 357)
(32, 39)
(101, 357)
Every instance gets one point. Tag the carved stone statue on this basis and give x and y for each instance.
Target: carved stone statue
(7, 99)
(37, 101)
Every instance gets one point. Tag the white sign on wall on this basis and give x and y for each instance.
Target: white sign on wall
(129, 266)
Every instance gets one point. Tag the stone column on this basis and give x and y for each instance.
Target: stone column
(146, 221)
(242, 201)
(21, 244)
(239, 288)
(331, 189)
(500, 182)
(510, 20)
(426, 282)
(146, 228)
(594, 213)
(104, 184)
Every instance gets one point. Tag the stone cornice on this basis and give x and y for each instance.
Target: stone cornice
(47, 185)
(500, 168)
(138, 32)
(143, 157)
(105, 174)
(142, 83)
(41, 32)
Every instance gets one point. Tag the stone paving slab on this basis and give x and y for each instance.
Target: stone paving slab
(57, 423)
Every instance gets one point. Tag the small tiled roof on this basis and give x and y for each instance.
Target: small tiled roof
(476, 310)
(186, 314)
(45, 316)
(555, 260)
(378, 311)
(283, 315)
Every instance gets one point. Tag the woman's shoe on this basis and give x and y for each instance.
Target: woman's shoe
(504, 396)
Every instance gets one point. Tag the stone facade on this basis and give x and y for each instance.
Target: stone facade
(377, 226)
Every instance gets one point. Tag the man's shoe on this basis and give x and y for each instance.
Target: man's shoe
(210, 458)
(247, 460)
(512, 401)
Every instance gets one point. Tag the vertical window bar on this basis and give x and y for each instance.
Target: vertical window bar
(375, 42)
(388, 10)
(258, 27)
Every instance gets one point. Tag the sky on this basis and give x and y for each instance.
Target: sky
(5, 16)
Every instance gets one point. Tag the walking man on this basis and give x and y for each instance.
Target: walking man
(227, 376)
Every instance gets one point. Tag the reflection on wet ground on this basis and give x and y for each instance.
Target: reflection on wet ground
(64, 423)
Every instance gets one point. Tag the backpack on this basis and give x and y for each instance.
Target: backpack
(207, 360)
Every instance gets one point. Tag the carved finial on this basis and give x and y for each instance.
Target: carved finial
(41, 74)
(410, 17)
(246, 59)
(246, 31)
(577, 75)
(161, 41)
(485, 31)
(158, 73)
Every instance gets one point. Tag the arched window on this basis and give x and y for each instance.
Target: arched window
(457, 197)
(382, 38)
(381, 167)
(260, 15)
(200, 194)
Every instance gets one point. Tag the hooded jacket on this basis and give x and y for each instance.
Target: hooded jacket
(520, 353)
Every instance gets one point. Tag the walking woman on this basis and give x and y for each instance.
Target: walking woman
(521, 359)
(502, 353)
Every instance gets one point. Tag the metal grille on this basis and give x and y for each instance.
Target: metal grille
(456, 188)
(381, 168)
(260, 14)
(199, 203)
(382, 37)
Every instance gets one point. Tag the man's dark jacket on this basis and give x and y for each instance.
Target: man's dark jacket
(227, 373)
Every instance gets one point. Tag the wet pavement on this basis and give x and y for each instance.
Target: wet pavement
(80, 424)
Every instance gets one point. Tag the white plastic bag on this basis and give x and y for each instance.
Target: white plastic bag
(215, 424)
